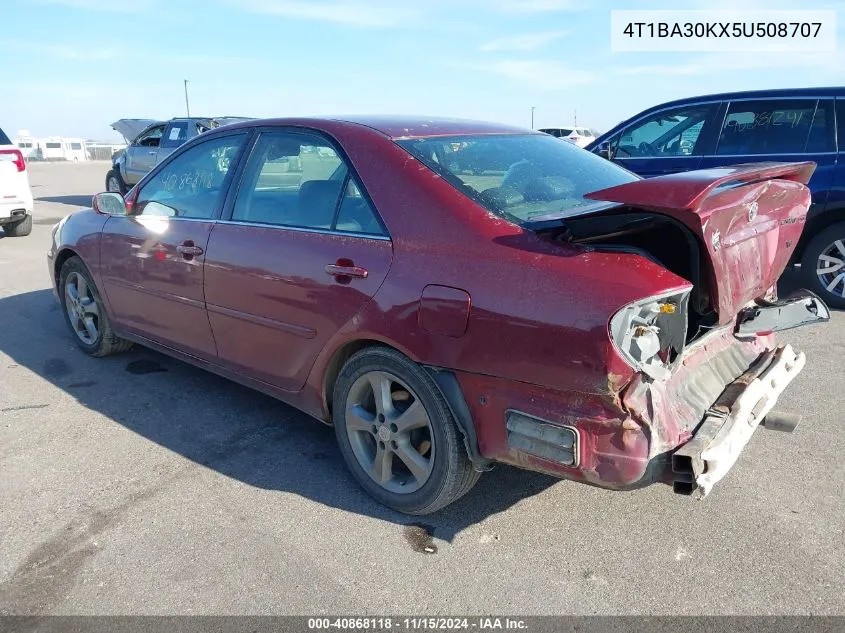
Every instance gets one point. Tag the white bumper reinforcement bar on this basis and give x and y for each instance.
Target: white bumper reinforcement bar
(728, 426)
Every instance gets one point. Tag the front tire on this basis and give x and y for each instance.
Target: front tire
(823, 265)
(85, 313)
(397, 434)
(115, 184)
(21, 228)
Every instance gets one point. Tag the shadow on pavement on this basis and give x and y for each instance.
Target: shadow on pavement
(236, 431)
(74, 201)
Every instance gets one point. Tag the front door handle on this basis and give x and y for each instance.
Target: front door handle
(343, 270)
(189, 250)
(152, 153)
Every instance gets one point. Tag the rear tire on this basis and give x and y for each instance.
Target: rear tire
(21, 228)
(115, 184)
(435, 443)
(85, 314)
(826, 251)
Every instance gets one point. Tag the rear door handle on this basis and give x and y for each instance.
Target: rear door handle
(337, 270)
(189, 250)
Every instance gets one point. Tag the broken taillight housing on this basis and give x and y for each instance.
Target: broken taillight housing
(650, 333)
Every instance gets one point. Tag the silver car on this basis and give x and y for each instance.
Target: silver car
(149, 142)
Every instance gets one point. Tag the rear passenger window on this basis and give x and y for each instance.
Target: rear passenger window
(355, 214)
(298, 180)
(176, 134)
(840, 117)
(772, 126)
(823, 130)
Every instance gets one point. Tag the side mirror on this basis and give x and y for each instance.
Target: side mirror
(109, 203)
(605, 150)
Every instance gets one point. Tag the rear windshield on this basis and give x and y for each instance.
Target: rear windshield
(557, 131)
(519, 177)
(4, 140)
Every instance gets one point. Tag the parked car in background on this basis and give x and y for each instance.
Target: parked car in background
(542, 315)
(581, 136)
(743, 127)
(15, 193)
(149, 142)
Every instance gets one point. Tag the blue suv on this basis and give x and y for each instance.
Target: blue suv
(743, 127)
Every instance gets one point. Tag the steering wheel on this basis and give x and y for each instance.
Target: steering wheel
(645, 148)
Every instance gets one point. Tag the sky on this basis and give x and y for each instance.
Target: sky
(71, 67)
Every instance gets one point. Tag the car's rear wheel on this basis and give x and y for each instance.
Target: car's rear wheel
(114, 182)
(85, 313)
(397, 434)
(21, 228)
(823, 265)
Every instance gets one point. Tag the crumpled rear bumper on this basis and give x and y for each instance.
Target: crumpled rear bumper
(729, 424)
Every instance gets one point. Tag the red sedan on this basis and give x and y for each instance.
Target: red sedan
(451, 294)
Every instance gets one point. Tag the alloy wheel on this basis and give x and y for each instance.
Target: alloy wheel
(112, 185)
(82, 309)
(831, 268)
(390, 432)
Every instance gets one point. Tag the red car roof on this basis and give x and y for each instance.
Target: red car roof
(404, 126)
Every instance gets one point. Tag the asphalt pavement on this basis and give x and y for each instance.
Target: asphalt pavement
(140, 485)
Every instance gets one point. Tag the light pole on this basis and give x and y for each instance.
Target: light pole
(187, 107)
(532, 117)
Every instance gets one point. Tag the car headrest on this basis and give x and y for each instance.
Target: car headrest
(549, 188)
(502, 197)
(318, 200)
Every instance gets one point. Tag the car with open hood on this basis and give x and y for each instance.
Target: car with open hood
(559, 314)
(149, 142)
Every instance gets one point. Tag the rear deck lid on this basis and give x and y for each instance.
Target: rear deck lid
(748, 218)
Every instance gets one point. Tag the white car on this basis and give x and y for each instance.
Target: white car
(581, 136)
(15, 194)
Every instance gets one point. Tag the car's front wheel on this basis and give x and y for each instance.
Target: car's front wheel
(85, 313)
(397, 434)
(823, 265)
(114, 182)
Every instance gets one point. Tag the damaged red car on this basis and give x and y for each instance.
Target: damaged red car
(451, 294)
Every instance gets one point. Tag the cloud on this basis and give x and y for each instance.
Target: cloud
(391, 13)
(110, 6)
(361, 13)
(723, 63)
(77, 53)
(522, 42)
(534, 6)
(537, 73)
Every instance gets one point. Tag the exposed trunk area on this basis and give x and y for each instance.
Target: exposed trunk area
(729, 231)
(658, 237)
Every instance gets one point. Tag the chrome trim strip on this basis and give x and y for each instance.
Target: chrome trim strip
(290, 328)
(730, 156)
(171, 217)
(772, 154)
(304, 229)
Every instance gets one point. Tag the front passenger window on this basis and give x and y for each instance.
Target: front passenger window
(668, 133)
(192, 185)
(151, 138)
